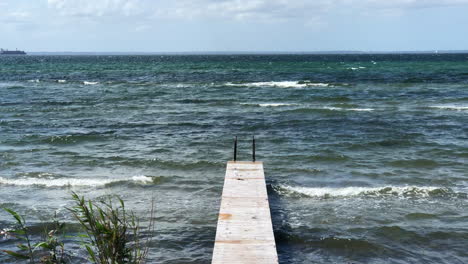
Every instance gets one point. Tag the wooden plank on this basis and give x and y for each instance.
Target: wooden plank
(244, 233)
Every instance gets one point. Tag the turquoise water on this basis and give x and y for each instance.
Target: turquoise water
(365, 155)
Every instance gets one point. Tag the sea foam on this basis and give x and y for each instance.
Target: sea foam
(328, 192)
(451, 107)
(60, 182)
(90, 83)
(274, 104)
(356, 68)
(282, 84)
(348, 109)
(268, 104)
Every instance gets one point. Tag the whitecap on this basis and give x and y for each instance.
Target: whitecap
(348, 109)
(268, 104)
(274, 104)
(34, 81)
(90, 83)
(318, 84)
(61, 81)
(356, 68)
(142, 179)
(61, 182)
(326, 192)
(450, 107)
(282, 84)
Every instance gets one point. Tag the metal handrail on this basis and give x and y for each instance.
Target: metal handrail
(253, 148)
(235, 148)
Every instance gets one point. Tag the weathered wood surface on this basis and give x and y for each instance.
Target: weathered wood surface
(244, 233)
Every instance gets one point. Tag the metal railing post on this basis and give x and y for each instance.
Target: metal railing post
(235, 148)
(253, 148)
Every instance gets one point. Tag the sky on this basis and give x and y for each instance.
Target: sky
(233, 25)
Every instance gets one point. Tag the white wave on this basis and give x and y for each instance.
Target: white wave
(325, 192)
(61, 182)
(142, 179)
(450, 107)
(34, 81)
(61, 81)
(348, 109)
(90, 83)
(268, 104)
(318, 84)
(274, 104)
(356, 68)
(173, 85)
(282, 84)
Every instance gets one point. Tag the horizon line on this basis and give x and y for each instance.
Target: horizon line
(245, 52)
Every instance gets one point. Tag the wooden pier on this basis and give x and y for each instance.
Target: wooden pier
(244, 233)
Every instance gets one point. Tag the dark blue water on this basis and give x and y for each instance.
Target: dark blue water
(365, 155)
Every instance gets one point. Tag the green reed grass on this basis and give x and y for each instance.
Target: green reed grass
(112, 234)
(50, 250)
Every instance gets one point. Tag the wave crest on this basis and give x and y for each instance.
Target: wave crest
(62, 182)
(329, 109)
(90, 83)
(348, 109)
(282, 84)
(269, 104)
(329, 192)
(450, 107)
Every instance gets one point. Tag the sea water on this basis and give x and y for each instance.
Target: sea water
(365, 155)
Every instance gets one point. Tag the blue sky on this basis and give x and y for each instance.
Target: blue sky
(233, 25)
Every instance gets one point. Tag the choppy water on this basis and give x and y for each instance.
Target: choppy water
(365, 155)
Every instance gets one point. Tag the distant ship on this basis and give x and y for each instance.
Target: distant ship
(12, 52)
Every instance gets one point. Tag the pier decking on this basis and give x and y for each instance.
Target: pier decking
(244, 233)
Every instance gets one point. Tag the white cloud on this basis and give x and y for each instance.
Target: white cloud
(15, 17)
(291, 9)
(93, 8)
(405, 4)
(213, 24)
(259, 10)
(256, 10)
(311, 12)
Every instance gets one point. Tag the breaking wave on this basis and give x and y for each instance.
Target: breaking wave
(282, 84)
(61, 182)
(90, 83)
(356, 68)
(348, 109)
(450, 107)
(329, 192)
(269, 104)
(330, 109)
